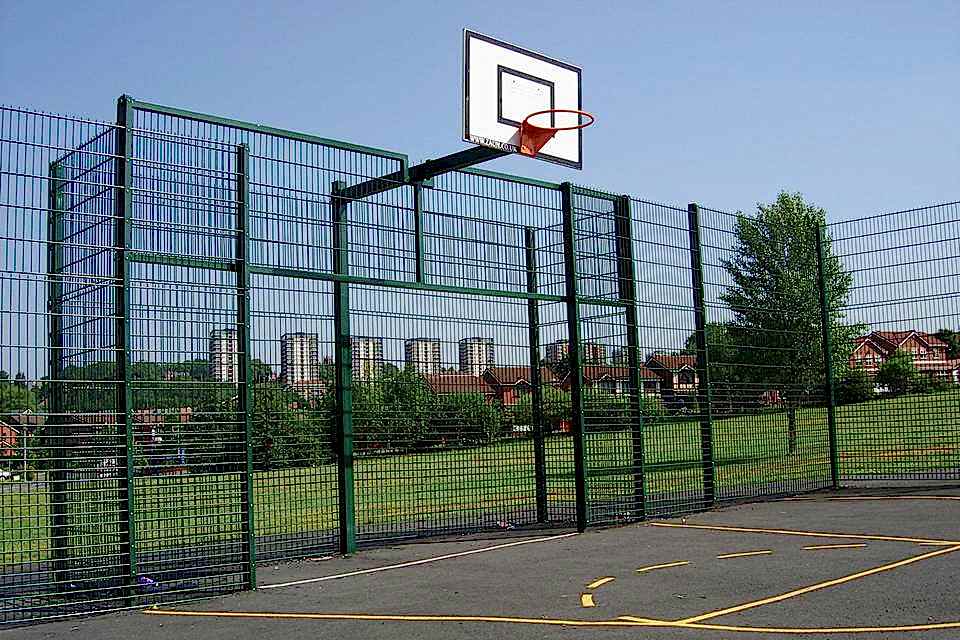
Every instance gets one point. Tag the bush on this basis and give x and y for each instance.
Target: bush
(856, 386)
(899, 375)
(463, 419)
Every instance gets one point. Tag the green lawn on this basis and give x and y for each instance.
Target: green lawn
(450, 489)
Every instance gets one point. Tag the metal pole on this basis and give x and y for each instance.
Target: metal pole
(627, 287)
(122, 239)
(704, 399)
(59, 532)
(344, 370)
(418, 229)
(244, 370)
(574, 353)
(536, 391)
(827, 337)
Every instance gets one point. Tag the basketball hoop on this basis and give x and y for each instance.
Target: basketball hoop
(533, 137)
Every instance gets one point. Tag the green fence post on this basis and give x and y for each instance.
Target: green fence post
(244, 370)
(55, 423)
(704, 399)
(827, 338)
(626, 271)
(344, 369)
(536, 391)
(122, 239)
(418, 229)
(574, 352)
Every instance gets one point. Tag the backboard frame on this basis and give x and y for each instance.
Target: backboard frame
(469, 34)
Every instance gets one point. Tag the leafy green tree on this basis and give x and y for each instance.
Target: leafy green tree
(464, 419)
(899, 374)
(16, 396)
(723, 354)
(952, 338)
(774, 298)
(393, 412)
(556, 409)
(855, 386)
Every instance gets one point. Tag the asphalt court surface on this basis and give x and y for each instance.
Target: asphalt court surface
(865, 564)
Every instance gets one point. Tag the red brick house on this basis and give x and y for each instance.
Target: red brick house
(929, 353)
(616, 379)
(677, 373)
(512, 383)
(9, 439)
(447, 383)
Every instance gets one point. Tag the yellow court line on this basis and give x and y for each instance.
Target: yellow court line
(599, 582)
(586, 600)
(817, 547)
(818, 586)
(744, 554)
(663, 566)
(622, 621)
(815, 499)
(402, 618)
(933, 626)
(809, 534)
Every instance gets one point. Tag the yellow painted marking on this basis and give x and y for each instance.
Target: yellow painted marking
(586, 600)
(809, 534)
(599, 582)
(814, 499)
(622, 621)
(820, 585)
(400, 618)
(817, 547)
(935, 544)
(744, 554)
(647, 622)
(662, 566)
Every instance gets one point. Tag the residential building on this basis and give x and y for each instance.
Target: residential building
(616, 379)
(476, 355)
(677, 373)
(929, 353)
(224, 355)
(447, 383)
(367, 357)
(299, 358)
(593, 352)
(512, 383)
(422, 355)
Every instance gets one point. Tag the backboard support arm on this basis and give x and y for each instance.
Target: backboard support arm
(422, 172)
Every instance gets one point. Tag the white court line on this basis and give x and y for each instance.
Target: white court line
(414, 562)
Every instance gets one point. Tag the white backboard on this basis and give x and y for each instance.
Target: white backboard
(503, 84)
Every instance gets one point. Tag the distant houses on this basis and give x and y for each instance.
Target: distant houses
(929, 353)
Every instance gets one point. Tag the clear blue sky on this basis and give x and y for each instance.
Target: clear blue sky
(854, 104)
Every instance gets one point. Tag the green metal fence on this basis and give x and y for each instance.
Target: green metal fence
(224, 343)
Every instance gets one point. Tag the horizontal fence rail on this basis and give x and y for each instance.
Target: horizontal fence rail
(225, 343)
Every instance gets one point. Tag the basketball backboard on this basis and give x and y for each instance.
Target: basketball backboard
(503, 84)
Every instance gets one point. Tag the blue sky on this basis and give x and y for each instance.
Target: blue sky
(854, 104)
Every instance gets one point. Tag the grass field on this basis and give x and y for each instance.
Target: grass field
(459, 489)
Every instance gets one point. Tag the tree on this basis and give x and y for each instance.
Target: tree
(855, 386)
(464, 419)
(899, 374)
(952, 338)
(774, 299)
(723, 364)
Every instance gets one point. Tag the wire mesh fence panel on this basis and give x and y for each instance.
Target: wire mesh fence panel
(295, 487)
(899, 387)
(672, 443)
(62, 528)
(184, 357)
(612, 412)
(764, 353)
(224, 342)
